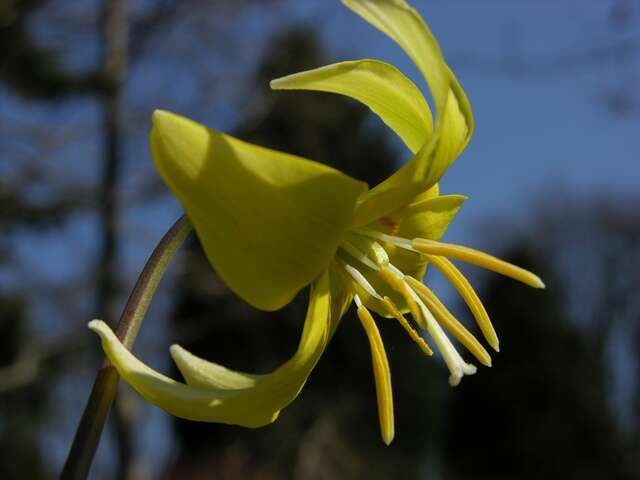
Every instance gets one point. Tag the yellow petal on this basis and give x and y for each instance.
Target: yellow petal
(382, 375)
(380, 86)
(454, 121)
(216, 394)
(269, 222)
(424, 218)
(198, 372)
(429, 218)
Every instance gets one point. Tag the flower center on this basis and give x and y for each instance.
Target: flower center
(366, 257)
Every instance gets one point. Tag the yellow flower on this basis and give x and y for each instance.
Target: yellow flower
(272, 223)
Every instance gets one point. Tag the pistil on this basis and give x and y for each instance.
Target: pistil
(449, 322)
(457, 366)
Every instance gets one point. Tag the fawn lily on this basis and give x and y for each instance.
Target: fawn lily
(272, 223)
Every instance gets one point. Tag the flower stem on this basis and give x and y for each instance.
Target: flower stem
(105, 385)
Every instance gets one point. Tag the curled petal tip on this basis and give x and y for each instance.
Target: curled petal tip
(158, 115)
(176, 351)
(96, 325)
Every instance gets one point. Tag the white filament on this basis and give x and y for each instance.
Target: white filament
(362, 281)
(398, 241)
(355, 251)
(456, 365)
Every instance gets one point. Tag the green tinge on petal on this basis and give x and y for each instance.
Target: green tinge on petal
(378, 85)
(454, 121)
(216, 394)
(423, 219)
(268, 221)
(198, 372)
(428, 218)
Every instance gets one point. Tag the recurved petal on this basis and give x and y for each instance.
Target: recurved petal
(378, 85)
(405, 26)
(454, 121)
(268, 221)
(216, 394)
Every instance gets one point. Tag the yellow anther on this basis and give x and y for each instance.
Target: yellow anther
(476, 257)
(381, 374)
(399, 286)
(415, 336)
(469, 295)
(448, 321)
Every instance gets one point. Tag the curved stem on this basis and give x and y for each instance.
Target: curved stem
(105, 385)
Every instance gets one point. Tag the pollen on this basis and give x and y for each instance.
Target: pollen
(399, 286)
(415, 336)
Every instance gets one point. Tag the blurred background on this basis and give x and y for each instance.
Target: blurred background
(552, 174)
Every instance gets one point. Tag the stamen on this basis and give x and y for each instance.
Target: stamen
(351, 249)
(358, 301)
(476, 257)
(361, 280)
(369, 247)
(396, 282)
(469, 295)
(398, 273)
(451, 323)
(415, 336)
(397, 241)
(457, 366)
(381, 373)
